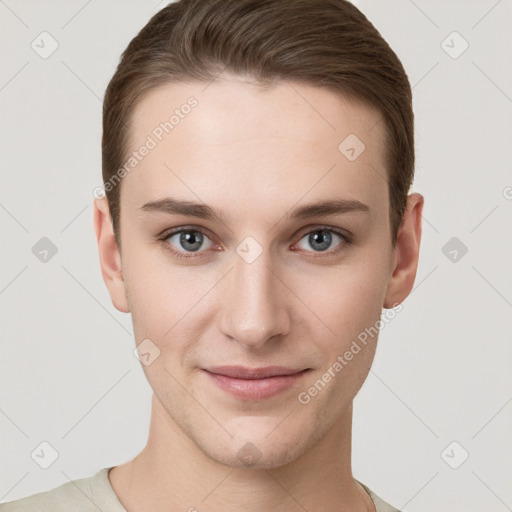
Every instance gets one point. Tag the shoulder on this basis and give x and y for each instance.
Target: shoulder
(380, 504)
(82, 495)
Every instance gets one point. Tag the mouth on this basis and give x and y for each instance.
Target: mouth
(254, 383)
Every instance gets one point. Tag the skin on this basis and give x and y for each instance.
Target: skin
(253, 153)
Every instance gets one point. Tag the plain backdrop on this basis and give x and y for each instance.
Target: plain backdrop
(433, 420)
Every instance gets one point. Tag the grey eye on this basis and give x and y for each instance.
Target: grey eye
(319, 239)
(189, 240)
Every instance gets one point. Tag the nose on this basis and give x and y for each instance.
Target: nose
(256, 305)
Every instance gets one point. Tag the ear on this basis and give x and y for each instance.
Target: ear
(406, 253)
(110, 257)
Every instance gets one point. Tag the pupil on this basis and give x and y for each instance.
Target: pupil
(194, 239)
(316, 238)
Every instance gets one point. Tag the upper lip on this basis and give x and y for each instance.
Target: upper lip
(242, 372)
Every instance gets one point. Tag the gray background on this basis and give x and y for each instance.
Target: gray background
(442, 369)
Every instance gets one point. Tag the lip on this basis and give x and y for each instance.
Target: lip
(254, 383)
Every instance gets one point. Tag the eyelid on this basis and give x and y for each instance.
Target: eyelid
(323, 227)
(172, 231)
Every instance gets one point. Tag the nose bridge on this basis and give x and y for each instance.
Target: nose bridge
(255, 308)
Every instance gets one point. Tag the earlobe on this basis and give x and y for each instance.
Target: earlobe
(110, 258)
(406, 254)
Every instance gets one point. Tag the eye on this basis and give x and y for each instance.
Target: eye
(321, 239)
(187, 240)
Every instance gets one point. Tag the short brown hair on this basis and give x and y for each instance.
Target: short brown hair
(326, 43)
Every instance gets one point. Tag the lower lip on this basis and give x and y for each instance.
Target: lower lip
(255, 389)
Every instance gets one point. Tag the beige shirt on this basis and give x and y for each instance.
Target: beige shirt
(95, 493)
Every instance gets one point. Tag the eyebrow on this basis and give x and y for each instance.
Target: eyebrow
(337, 206)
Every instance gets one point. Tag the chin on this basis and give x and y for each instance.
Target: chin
(256, 451)
(250, 456)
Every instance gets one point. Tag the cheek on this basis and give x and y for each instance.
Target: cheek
(346, 300)
(169, 304)
(158, 295)
(351, 306)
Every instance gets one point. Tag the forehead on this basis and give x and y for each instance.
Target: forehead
(233, 139)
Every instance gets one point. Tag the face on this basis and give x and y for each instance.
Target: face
(255, 279)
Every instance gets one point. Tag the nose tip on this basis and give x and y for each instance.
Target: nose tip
(255, 309)
(250, 337)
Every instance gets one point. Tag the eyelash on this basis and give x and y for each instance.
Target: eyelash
(346, 240)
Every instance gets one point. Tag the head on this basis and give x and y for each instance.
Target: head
(225, 126)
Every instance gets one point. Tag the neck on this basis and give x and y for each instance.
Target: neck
(172, 473)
